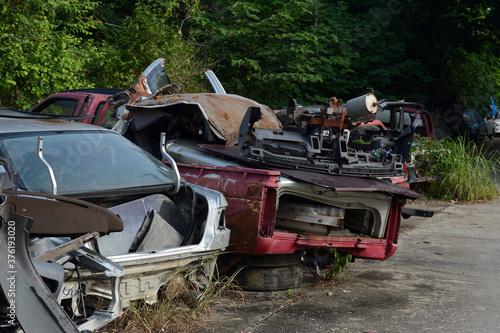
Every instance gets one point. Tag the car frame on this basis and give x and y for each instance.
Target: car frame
(146, 270)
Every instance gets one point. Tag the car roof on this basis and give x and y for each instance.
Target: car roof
(23, 125)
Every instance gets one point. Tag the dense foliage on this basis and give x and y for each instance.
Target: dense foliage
(273, 50)
(41, 48)
(267, 50)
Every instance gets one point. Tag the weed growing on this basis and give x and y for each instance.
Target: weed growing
(462, 170)
(181, 307)
(339, 265)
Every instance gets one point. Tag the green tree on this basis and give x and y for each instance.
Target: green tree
(132, 34)
(44, 48)
(266, 50)
(473, 78)
(424, 50)
(458, 43)
(275, 50)
(380, 30)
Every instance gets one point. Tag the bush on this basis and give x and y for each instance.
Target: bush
(461, 169)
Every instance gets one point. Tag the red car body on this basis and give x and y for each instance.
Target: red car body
(95, 103)
(252, 206)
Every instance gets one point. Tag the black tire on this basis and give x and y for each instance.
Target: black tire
(272, 260)
(270, 278)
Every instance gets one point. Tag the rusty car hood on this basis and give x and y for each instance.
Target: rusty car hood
(223, 112)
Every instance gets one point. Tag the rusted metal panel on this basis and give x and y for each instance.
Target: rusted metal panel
(268, 217)
(224, 113)
(244, 231)
(283, 242)
(236, 182)
(251, 197)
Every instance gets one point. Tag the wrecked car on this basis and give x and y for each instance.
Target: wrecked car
(169, 225)
(396, 117)
(32, 285)
(476, 126)
(390, 112)
(82, 102)
(279, 217)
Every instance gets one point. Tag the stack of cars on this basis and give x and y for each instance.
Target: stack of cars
(282, 216)
(279, 216)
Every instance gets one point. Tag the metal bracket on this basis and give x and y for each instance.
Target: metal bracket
(51, 171)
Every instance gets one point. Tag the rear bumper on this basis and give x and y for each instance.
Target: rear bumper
(282, 242)
(360, 247)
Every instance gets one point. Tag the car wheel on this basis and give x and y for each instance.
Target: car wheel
(272, 260)
(270, 278)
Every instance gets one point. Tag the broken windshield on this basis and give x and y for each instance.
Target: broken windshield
(83, 162)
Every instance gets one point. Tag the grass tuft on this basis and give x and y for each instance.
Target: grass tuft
(182, 307)
(462, 170)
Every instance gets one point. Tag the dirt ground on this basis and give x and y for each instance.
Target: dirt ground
(444, 277)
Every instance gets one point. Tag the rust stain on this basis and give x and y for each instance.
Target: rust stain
(254, 206)
(216, 105)
(226, 116)
(138, 90)
(322, 213)
(244, 227)
(252, 190)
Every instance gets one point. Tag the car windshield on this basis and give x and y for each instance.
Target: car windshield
(82, 162)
